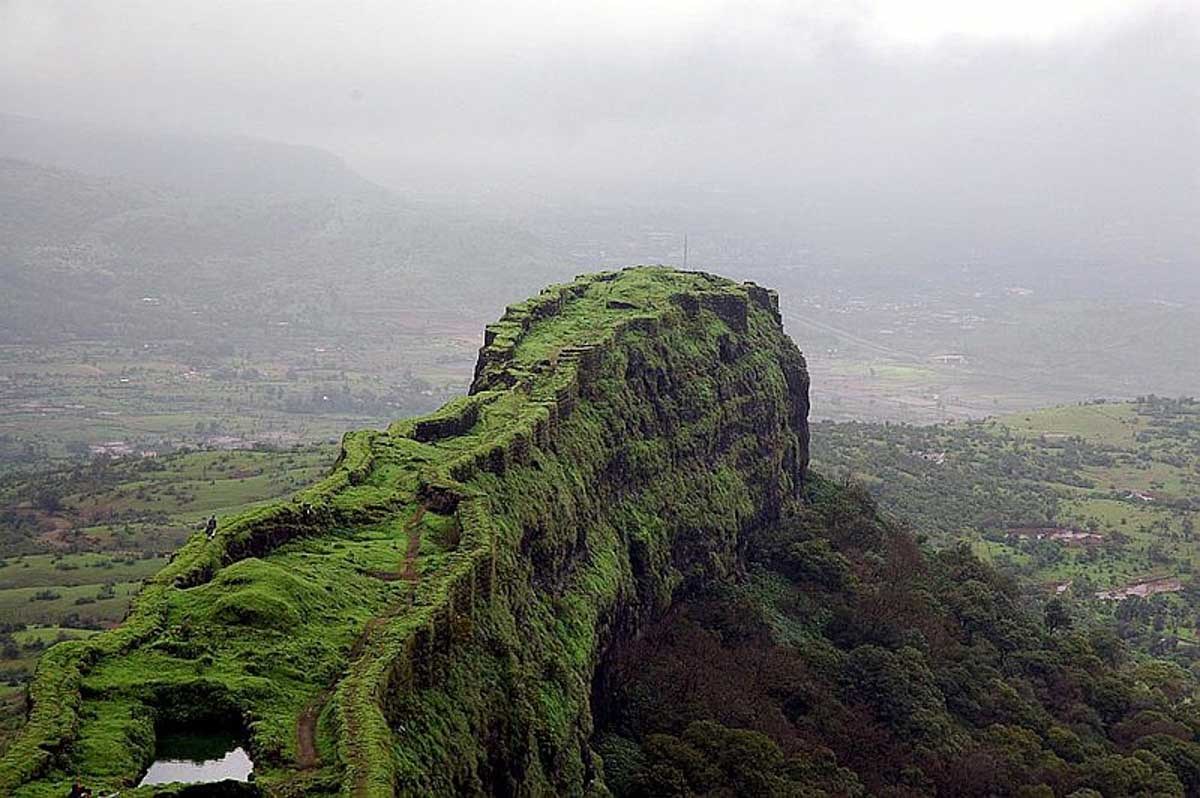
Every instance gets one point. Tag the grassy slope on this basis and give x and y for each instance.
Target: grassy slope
(334, 618)
(118, 521)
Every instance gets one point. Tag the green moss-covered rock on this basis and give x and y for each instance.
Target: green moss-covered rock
(256, 593)
(429, 619)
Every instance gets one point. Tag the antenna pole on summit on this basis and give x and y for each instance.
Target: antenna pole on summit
(685, 250)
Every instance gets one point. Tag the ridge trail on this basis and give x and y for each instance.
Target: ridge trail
(306, 725)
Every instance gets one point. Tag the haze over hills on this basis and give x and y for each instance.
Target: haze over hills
(159, 305)
(196, 164)
(271, 252)
(219, 225)
(1059, 158)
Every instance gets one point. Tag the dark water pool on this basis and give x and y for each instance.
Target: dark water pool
(198, 757)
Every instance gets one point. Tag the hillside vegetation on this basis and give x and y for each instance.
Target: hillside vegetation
(77, 542)
(607, 570)
(428, 618)
(1096, 503)
(849, 661)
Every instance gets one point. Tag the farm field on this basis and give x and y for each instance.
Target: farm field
(77, 541)
(968, 348)
(75, 400)
(1096, 503)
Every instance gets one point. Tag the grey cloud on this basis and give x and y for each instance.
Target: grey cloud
(1072, 146)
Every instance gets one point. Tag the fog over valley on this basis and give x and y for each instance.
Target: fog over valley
(916, 183)
(1061, 144)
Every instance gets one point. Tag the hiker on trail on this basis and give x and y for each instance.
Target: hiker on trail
(79, 791)
(211, 529)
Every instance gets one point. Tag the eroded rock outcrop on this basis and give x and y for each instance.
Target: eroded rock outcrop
(430, 618)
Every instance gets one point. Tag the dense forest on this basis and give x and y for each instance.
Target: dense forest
(851, 660)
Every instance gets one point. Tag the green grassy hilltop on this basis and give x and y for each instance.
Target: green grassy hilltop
(608, 571)
(428, 618)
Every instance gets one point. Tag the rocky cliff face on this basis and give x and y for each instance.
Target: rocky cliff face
(429, 620)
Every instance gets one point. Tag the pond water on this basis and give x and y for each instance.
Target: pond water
(194, 758)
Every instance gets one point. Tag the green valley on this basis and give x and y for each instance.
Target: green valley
(77, 542)
(1093, 502)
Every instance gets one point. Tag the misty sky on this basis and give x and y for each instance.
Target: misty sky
(1085, 113)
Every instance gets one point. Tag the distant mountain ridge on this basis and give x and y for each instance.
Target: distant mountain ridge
(207, 165)
(225, 231)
